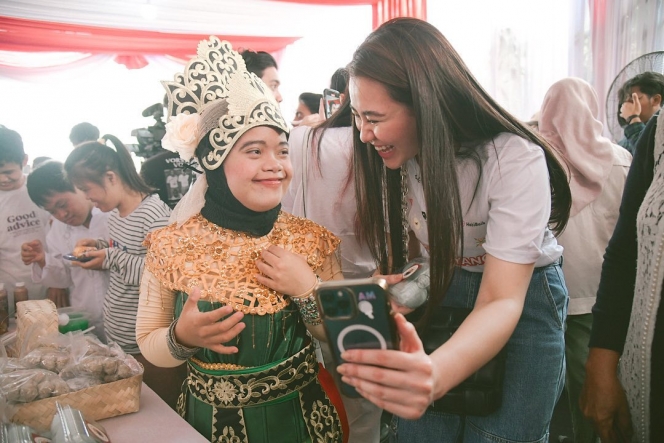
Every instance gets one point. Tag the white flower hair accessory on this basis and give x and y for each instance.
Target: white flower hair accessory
(182, 135)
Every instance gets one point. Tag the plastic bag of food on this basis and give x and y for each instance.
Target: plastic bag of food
(93, 359)
(26, 385)
(49, 358)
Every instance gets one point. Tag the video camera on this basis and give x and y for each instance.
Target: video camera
(149, 139)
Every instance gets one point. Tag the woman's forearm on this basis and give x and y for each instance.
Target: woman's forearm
(481, 336)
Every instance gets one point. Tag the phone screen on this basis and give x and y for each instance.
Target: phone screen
(331, 101)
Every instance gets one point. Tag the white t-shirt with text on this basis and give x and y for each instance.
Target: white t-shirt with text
(21, 221)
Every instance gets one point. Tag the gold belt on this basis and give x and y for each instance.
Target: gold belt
(241, 390)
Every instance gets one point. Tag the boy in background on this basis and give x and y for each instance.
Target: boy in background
(20, 219)
(75, 218)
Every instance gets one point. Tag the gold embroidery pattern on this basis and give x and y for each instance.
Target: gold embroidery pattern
(223, 262)
(224, 391)
(324, 423)
(228, 436)
(238, 391)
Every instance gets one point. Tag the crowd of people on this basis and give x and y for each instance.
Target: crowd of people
(548, 236)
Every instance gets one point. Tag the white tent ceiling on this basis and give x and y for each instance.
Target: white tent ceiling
(230, 17)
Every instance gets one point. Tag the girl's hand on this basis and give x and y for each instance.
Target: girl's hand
(98, 257)
(285, 272)
(401, 382)
(196, 329)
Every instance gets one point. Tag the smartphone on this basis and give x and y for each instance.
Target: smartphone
(74, 258)
(356, 315)
(331, 101)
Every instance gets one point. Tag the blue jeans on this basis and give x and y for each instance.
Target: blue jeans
(534, 376)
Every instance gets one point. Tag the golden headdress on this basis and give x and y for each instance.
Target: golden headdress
(216, 94)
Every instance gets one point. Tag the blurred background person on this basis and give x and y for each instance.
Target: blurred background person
(308, 104)
(20, 219)
(38, 161)
(83, 132)
(641, 99)
(598, 171)
(265, 67)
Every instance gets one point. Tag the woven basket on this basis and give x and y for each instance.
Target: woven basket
(96, 402)
(34, 319)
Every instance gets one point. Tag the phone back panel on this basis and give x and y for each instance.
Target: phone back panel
(356, 315)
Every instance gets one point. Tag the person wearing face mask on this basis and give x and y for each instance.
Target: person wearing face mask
(477, 190)
(228, 285)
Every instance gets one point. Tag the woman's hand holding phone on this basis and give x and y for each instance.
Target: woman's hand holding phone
(401, 382)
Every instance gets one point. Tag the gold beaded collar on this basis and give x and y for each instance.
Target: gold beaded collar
(222, 262)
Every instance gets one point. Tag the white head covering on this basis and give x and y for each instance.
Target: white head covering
(569, 121)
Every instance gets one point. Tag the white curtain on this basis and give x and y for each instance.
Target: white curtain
(614, 33)
(515, 48)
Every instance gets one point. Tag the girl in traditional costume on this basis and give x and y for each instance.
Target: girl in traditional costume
(228, 286)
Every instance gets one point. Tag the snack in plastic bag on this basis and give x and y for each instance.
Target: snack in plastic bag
(48, 358)
(26, 385)
(82, 382)
(108, 363)
(70, 426)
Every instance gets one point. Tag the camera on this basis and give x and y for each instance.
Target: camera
(149, 139)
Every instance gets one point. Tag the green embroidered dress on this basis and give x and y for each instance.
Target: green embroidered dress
(269, 390)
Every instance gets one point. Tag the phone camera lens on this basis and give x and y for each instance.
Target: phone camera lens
(344, 306)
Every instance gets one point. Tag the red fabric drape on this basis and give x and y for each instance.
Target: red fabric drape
(331, 2)
(129, 45)
(383, 10)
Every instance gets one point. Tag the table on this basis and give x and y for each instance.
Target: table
(154, 422)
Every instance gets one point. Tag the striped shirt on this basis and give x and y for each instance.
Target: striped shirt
(125, 257)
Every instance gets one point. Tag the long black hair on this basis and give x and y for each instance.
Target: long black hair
(420, 69)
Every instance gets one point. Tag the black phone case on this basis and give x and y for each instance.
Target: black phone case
(74, 258)
(330, 99)
(353, 327)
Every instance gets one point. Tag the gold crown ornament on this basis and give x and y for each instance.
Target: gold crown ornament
(216, 94)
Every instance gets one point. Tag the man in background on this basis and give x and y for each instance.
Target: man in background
(641, 99)
(83, 132)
